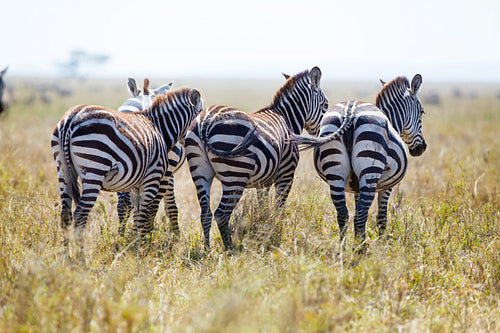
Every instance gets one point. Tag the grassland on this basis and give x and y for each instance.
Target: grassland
(438, 269)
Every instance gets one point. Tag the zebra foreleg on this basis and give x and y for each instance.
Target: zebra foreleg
(206, 219)
(167, 192)
(123, 208)
(282, 192)
(382, 198)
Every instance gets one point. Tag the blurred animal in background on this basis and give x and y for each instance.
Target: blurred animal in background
(2, 88)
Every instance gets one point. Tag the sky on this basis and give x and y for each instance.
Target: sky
(349, 40)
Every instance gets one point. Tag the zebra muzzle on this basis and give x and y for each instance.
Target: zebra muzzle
(418, 150)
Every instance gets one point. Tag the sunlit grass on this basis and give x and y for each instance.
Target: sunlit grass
(437, 268)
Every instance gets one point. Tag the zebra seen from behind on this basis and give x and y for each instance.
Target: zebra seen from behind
(370, 157)
(142, 100)
(2, 88)
(117, 151)
(251, 150)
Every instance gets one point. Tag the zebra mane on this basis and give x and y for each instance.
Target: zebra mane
(171, 95)
(288, 87)
(400, 83)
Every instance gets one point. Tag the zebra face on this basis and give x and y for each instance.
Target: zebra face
(412, 129)
(318, 104)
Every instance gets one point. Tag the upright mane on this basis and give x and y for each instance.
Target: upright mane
(171, 95)
(287, 88)
(399, 83)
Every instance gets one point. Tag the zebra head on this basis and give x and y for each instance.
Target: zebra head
(398, 100)
(2, 87)
(141, 100)
(318, 104)
(135, 91)
(301, 101)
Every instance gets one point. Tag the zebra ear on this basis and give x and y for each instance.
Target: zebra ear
(194, 97)
(383, 82)
(286, 76)
(2, 73)
(163, 89)
(415, 83)
(132, 87)
(145, 87)
(315, 75)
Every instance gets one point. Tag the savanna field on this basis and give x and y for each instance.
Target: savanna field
(437, 269)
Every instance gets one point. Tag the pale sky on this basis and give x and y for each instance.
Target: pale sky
(443, 40)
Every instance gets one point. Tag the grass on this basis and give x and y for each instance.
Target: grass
(437, 269)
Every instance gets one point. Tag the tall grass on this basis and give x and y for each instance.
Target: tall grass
(437, 268)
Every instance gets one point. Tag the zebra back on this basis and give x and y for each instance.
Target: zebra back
(299, 103)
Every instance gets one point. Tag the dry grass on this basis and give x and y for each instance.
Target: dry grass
(437, 270)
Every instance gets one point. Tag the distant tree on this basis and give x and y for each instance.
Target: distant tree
(79, 59)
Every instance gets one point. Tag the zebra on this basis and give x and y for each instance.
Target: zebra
(370, 156)
(116, 151)
(251, 150)
(142, 100)
(2, 88)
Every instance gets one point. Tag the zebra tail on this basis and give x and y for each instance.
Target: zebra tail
(306, 142)
(239, 150)
(74, 189)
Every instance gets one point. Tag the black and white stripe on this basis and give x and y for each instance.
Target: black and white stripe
(251, 150)
(118, 151)
(142, 100)
(370, 156)
(2, 88)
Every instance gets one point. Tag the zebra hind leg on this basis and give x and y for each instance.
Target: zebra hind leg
(337, 182)
(90, 191)
(167, 188)
(66, 222)
(364, 200)
(229, 200)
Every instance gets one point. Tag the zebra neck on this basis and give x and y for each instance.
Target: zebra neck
(392, 109)
(166, 122)
(292, 115)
